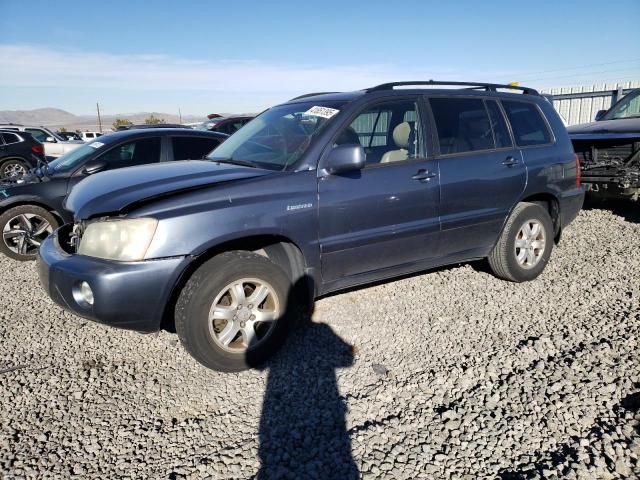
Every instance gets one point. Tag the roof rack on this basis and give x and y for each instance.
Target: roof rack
(489, 87)
(310, 95)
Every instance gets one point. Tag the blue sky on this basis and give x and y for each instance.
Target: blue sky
(205, 56)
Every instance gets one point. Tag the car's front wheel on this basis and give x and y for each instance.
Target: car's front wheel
(23, 230)
(524, 247)
(235, 311)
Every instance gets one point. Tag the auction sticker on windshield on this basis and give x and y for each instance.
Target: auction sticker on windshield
(96, 144)
(324, 112)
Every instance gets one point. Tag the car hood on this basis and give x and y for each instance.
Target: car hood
(623, 127)
(113, 191)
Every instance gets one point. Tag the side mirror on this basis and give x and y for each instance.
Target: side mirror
(50, 140)
(94, 167)
(345, 158)
(600, 114)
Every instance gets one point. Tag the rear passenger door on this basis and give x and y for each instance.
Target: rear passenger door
(192, 147)
(482, 173)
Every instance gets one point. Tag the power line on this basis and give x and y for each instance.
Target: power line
(582, 74)
(576, 67)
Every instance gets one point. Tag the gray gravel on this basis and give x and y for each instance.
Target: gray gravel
(451, 374)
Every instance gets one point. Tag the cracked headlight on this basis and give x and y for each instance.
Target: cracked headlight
(126, 239)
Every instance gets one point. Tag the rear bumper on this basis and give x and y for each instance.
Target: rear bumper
(570, 205)
(130, 295)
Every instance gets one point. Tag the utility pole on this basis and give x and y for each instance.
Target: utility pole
(99, 119)
(180, 114)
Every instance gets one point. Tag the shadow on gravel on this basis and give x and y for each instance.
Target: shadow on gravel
(628, 209)
(303, 430)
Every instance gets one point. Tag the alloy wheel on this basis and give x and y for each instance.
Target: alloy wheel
(530, 244)
(24, 233)
(243, 314)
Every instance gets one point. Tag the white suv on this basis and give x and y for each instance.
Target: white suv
(54, 144)
(87, 136)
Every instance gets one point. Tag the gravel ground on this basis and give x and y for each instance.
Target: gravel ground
(451, 374)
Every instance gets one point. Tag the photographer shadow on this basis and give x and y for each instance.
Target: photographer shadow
(303, 430)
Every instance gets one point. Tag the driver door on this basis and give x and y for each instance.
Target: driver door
(386, 215)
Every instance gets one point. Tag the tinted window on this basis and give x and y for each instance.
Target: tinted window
(462, 124)
(137, 152)
(39, 135)
(529, 128)
(10, 138)
(499, 125)
(192, 148)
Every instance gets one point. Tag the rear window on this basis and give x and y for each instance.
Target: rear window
(463, 125)
(10, 138)
(529, 128)
(193, 148)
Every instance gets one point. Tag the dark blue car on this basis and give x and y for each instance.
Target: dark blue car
(324, 192)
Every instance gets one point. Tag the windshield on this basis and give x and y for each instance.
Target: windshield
(71, 160)
(628, 107)
(208, 125)
(278, 137)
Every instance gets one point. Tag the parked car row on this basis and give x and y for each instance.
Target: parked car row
(31, 205)
(54, 144)
(321, 193)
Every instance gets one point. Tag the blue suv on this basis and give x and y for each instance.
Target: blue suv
(321, 193)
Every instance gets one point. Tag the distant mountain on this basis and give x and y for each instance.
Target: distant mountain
(57, 118)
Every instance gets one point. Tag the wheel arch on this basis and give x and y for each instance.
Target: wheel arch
(35, 203)
(281, 250)
(551, 204)
(15, 157)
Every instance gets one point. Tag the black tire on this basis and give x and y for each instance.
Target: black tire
(9, 167)
(205, 285)
(503, 258)
(7, 242)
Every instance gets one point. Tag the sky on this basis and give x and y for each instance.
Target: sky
(199, 57)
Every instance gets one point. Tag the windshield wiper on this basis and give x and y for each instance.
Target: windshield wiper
(233, 161)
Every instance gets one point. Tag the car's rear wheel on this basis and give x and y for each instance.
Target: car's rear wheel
(13, 168)
(524, 247)
(23, 230)
(235, 311)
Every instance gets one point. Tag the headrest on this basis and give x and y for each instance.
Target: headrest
(401, 134)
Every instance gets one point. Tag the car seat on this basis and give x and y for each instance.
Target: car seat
(401, 136)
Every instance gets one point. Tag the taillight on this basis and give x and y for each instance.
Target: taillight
(37, 149)
(578, 172)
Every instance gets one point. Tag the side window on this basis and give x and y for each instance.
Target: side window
(499, 125)
(192, 148)
(389, 132)
(138, 152)
(529, 128)
(462, 125)
(10, 138)
(372, 127)
(39, 135)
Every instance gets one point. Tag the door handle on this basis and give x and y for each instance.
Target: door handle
(510, 161)
(423, 175)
